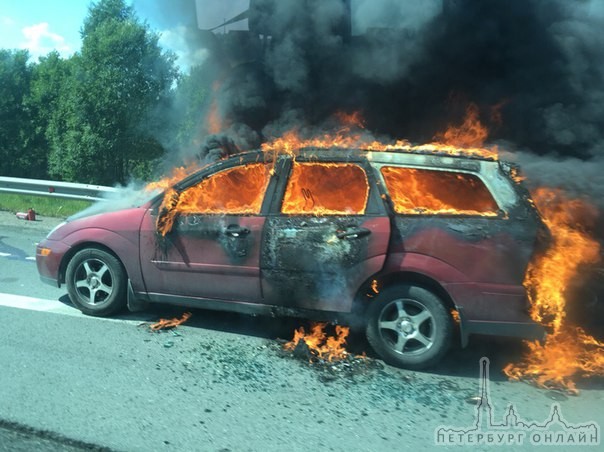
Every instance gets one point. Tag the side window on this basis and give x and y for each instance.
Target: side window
(418, 191)
(238, 190)
(326, 189)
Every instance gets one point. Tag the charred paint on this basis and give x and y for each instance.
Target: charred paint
(235, 240)
(318, 262)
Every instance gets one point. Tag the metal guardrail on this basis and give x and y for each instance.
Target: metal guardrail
(68, 190)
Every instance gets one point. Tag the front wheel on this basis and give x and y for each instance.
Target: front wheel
(409, 326)
(96, 282)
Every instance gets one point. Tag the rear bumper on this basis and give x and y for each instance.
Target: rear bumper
(496, 310)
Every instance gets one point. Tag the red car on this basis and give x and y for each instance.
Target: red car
(406, 244)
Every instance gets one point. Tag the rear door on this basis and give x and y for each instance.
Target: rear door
(327, 233)
(212, 248)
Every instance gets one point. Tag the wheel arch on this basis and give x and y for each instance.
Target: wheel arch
(366, 292)
(79, 247)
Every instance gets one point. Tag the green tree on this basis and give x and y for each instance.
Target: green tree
(15, 76)
(104, 128)
(49, 82)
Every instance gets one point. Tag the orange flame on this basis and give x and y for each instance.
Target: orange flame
(215, 123)
(466, 140)
(214, 120)
(325, 347)
(568, 351)
(471, 133)
(437, 192)
(177, 175)
(334, 186)
(549, 275)
(563, 356)
(210, 196)
(163, 324)
(216, 195)
(354, 119)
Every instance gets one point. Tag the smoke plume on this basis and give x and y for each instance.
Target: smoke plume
(535, 70)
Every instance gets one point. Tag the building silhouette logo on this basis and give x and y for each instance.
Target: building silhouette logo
(513, 430)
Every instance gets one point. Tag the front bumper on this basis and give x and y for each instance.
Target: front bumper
(49, 255)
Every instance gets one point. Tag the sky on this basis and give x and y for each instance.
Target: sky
(41, 26)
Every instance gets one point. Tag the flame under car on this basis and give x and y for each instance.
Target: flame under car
(390, 241)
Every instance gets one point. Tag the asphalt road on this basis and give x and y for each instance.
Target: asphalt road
(221, 382)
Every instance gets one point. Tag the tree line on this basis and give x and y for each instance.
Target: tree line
(98, 116)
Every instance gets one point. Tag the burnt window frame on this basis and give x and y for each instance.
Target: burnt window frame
(373, 207)
(223, 165)
(377, 168)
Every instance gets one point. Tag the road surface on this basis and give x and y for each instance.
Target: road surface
(220, 382)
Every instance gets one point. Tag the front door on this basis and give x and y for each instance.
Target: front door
(212, 248)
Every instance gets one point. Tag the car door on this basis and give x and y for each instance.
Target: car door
(327, 233)
(212, 248)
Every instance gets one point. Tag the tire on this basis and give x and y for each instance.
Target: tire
(96, 282)
(408, 326)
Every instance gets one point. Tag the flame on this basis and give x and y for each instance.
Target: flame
(563, 356)
(214, 120)
(215, 123)
(178, 173)
(217, 194)
(466, 140)
(455, 316)
(290, 142)
(437, 192)
(549, 275)
(470, 134)
(170, 323)
(325, 347)
(568, 351)
(375, 286)
(350, 120)
(321, 188)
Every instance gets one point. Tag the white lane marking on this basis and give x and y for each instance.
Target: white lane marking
(54, 307)
(37, 304)
(28, 258)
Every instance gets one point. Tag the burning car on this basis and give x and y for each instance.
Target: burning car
(406, 244)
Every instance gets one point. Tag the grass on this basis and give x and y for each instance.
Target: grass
(43, 205)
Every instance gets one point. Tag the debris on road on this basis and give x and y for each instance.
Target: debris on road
(326, 353)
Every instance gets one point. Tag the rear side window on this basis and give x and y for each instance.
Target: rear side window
(326, 189)
(238, 190)
(419, 191)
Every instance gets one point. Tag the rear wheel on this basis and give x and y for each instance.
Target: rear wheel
(409, 326)
(96, 282)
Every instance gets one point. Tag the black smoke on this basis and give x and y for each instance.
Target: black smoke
(411, 68)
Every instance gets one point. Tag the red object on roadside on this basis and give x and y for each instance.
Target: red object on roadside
(30, 215)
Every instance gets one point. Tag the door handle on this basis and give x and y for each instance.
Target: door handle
(352, 233)
(234, 230)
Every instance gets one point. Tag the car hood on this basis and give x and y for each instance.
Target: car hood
(120, 221)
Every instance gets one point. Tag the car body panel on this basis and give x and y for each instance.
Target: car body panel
(308, 262)
(201, 258)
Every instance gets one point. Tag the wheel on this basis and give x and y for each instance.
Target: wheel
(409, 326)
(96, 282)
